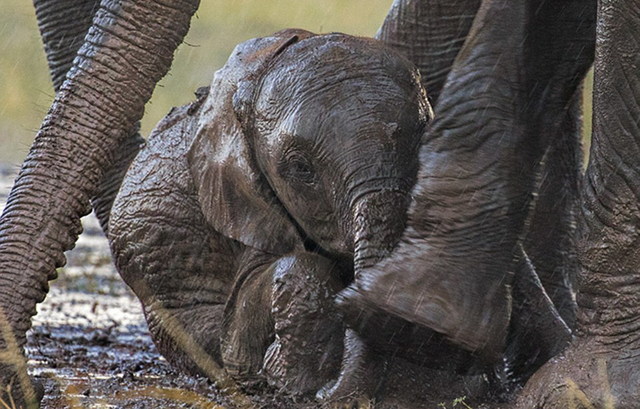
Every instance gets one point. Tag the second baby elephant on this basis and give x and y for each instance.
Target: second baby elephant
(247, 210)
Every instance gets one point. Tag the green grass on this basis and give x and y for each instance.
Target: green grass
(26, 92)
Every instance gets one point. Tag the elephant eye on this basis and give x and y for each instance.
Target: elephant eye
(298, 168)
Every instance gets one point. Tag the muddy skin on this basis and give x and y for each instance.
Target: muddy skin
(83, 356)
(270, 168)
(606, 327)
(90, 347)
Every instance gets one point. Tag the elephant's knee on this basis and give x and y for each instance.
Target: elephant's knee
(189, 338)
(304, 283)
(309, 333)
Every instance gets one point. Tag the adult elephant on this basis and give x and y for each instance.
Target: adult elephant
(493, 125)
(544, 62)
(127, 49)
(600, 368)
(508, 102)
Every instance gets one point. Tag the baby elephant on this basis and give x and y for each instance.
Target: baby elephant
(251, 208)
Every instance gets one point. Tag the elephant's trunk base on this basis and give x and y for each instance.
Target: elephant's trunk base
(379, 223)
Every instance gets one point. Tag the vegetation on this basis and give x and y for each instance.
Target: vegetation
(458, 402)
(219, 25)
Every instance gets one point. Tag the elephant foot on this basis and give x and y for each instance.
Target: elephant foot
(469, 307)
(309, 334)
(588, 375)
(361, 375)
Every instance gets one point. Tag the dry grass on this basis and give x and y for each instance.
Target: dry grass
(12, 356)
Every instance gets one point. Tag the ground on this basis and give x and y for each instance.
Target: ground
(90, 348)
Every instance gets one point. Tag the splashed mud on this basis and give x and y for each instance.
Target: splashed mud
(90, 348)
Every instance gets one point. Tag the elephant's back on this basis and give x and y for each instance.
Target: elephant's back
(159, 177)
(158, 234)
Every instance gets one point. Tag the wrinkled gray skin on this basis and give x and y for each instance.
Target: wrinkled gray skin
(506, 110)
(604, 358)
(236, 223)
(504, 113)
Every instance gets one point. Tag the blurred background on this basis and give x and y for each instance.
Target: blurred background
(25, 87)
(26, 91)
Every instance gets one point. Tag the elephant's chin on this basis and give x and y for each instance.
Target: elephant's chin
(335, 245)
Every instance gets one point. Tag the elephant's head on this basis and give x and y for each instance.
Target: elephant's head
(311, 141)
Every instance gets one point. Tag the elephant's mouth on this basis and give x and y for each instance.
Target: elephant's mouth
(369, 235)
(343, 260)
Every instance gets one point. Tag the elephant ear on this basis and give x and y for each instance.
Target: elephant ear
(233, 193)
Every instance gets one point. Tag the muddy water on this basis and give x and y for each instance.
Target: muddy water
(90, 348)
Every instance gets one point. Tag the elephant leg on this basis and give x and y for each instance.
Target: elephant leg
(544, 307)
(550, 240)
(309, 332)
(180, 269)
(248, 325)
(537, 332)
(280, 322)
(430, 33)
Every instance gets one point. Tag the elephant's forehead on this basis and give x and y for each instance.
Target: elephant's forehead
(341, 119)
(350, 112)
(337, 129)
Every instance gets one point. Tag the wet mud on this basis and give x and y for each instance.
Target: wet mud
(89, 345)
(90, 348)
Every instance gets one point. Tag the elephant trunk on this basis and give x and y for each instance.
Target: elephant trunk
(378, 222)
(63, 26)
(101, 100)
